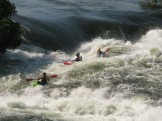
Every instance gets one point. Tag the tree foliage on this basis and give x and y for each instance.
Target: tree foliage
(10, 30)
(6, 9)
(153, 4)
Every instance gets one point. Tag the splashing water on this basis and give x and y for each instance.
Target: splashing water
(124, 86)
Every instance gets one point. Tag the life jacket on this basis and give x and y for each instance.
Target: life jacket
(99, 53)
(44, 80)
(79, 58)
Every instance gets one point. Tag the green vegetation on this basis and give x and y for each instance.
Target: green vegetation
(10, 30)
(156, 1)
(153, 4)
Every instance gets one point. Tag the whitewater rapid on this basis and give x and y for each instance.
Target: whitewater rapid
(124, 86)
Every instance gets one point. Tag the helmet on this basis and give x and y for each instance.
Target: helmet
(98, 49)
(77, 54)
(44, 73)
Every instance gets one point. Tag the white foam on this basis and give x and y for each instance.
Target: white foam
(126, 61)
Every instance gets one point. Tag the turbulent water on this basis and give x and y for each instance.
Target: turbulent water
(125, 85)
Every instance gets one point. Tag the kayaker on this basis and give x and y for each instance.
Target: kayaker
(46, 53)
(100, 53)
(44, 80)
(78, 57)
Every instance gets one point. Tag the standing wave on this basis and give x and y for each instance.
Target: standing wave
(67, 33)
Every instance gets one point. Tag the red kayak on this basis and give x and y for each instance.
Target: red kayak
(69, 62)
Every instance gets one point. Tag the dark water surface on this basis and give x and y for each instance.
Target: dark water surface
(124, 86)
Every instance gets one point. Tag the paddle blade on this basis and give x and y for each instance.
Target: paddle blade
(107, 49)
(53, 76)
(29, 79)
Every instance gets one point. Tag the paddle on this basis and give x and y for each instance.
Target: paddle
(53, 76)
(71, 58)
(107, 49)
(30, 79)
